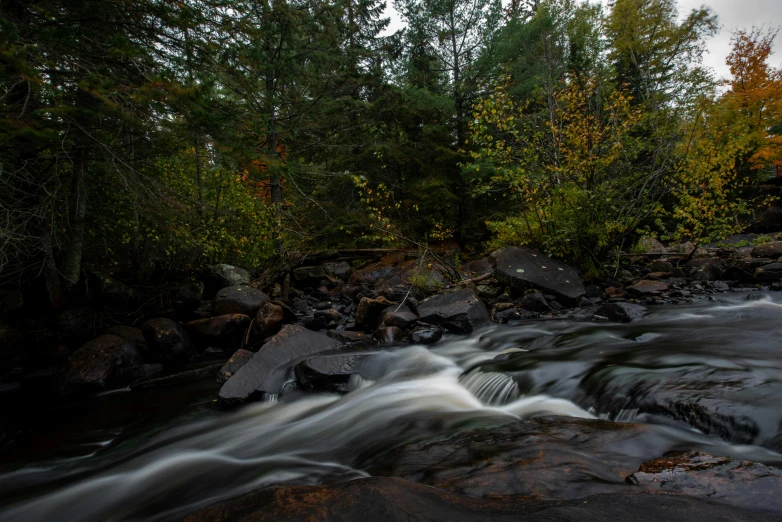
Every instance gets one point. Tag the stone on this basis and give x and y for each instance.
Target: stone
(426, 335)
(386, 499)
(217, 277)
(346, 336)
(327, 316)
(738, 483)
(649, 245)
(237, 360)
(534, 302)
(80, 323)
(705, 269)
(772, 250)
(488, 292)
(613, 292)
(735, 273)
(108, 289)
(479, 267)
(390, 334)
(523, 268)
(329, 373)
(401, 319)
(461, 311)
(661, 266)
(720, 286)
(769, 273)
(190, 295)
(239, 299)
(340, 269)
(131, 334)
(269, 319)
(647, 288)
(264, 374)
(620, 312)
(369, 310)
(223, 330)
(166, 340)
(94, 366)
(309, 274)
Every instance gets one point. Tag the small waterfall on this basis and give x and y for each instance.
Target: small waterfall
(491, 388)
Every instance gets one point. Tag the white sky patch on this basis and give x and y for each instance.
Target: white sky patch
(733, 15)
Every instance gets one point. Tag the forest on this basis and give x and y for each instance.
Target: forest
(182, 133)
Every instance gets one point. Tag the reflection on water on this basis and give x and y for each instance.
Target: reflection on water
(707, 376)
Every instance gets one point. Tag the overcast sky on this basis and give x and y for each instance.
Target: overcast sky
(733, 14)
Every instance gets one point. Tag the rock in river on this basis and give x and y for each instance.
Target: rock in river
(329, 372)
(461, 311)
(620, 312)
(265, 372)
(96, 365)
(523, 268)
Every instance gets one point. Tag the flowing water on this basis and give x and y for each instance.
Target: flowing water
(704, 376)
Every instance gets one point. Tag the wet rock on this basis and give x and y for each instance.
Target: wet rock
(390, 334)
(613, 292)
(240, 299)
(223, 330)
(10, 301)
(133, 335)
(620, 312)
(369, 310)
(401, 319)
(381, 499)
(346, 336)
(648, 288)
(322, 305)
(167, 342)
(769, 273)
(461, 311)
(220, 276)
(237, 360)
(705, 269)
(264, 374)
(95, 365)
(308, 274)
(534, 302)
(339, 269)
(329, 372)
(772, 250)
(190, 295)
(426, 335)
(738, 483)
(523, 268)
(269, 320)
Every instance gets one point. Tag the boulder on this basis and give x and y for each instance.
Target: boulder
(369, 310)
(426, 335)
(340, 269)
(95, 365)
(239, 299)
(223, 330)
(523, 268)
(649, 245)
(461, 311)
(190, 295)
(167, 341)
(310, 274)
(390, 334)
(705, 269)
(264, 374)
(237, 360)
(133, 335)
(268, 320)
(328, 372)
(647, 288)
(220, 276)
(772, 250)
(620, 312)
(401, 319)
(534, 302)
(769, 273)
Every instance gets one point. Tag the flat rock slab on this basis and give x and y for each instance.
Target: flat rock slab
(461, 311)
(523, 268)
(329, 372)
(394, 500)
(735, 482)
(265, 372)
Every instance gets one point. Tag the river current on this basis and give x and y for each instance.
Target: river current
(704, 376)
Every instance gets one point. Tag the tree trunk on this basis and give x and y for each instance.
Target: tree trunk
(78, 210)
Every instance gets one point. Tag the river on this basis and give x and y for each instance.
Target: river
(704, 376)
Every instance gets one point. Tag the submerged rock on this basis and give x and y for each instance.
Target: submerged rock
(461, 311)
(264, 374)
(524, 268)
